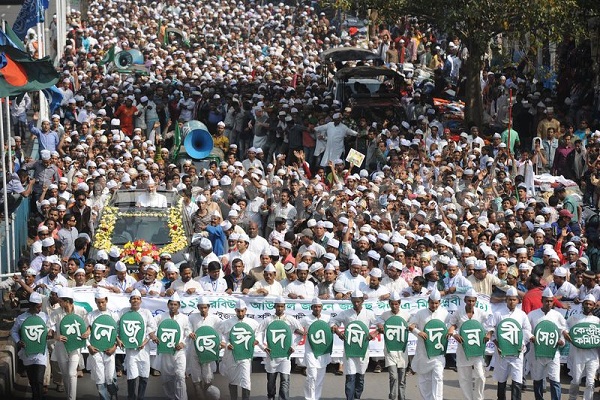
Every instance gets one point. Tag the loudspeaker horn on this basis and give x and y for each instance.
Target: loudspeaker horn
(127, 58)
(198, 142)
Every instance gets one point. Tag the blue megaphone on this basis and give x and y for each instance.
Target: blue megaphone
(198, 142)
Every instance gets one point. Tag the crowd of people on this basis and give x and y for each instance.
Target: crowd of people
(504, 211)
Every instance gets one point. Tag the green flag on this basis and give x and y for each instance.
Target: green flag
(169, 335)
(510, 337)
(437, 340)
(472, 334)
(177, 142)
(241, 338)
(34, 334)
(585, 335)
(14, 38)
(356, 339)
(132, 330)
(73, 326)
(279, 339)
(320, 338)
(395, 333)
(109, 57)
(104, 333)
(546, 339)
(207, 344)
(20, 73)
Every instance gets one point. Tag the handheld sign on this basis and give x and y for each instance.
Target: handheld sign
(242, 339)
(584, 335)
(72, 326)
(472, 334)
(104, 333)
(437, 341)
(132, 330)
(279, 339)
(510, 337)
(320, 338)
(546, 339)
(395, 333)
(34, 333)
(356, 342)
(207, 344)
(169, 335)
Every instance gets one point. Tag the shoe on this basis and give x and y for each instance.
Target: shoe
(45, 390)
(119, 374)
(339, 372)
(80, 374)
(377, 368)
(155, 373)
(60, 388)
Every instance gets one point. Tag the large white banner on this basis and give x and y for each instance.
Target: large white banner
(260, 308)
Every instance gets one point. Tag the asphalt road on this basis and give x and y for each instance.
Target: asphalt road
(376, 387)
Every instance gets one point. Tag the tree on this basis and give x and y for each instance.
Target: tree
(476, 22)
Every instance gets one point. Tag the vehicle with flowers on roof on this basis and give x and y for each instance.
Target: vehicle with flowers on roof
(147, 231)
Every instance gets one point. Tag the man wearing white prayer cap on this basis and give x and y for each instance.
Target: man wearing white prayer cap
(137, 361)
(374, 289)
(238, 373)
(35, 364)
(354, 367)
(511, 366)
(315, 366)
(172, 367)
(430, 371)
(102, 363)
(582, 362)
(395, 361)
(281, 366)
(330, 139)
(471, 371)
(267, 286)
(561, 288)
(201, 374)
(542, 367)
(349, 280)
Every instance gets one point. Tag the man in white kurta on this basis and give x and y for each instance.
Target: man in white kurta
(35, 364)
(280, 365)
(334, 133)
(301, 288)
(67, 361)
(510, 366)
(315, 366)
(582, 362)
(172, 366)
(238, 373)
(202, 374)
(429, 370)
(101, 364)
(471, 371)
(354, 367)
(395, 361)
(540, 368)
(268, 286)
(137, 361)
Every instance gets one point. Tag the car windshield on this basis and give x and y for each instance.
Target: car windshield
(150, 226)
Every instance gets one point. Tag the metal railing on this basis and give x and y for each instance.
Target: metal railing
(18, 231)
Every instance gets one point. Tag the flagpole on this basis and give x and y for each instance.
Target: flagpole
(7, 108)
(5, 192)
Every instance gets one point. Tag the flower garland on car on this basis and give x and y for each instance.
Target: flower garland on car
(132, 252)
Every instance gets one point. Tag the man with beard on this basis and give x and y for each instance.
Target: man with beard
(150, 286)
(582, 362)
(184, 284)
(267, 286)
(324, 290)
(374, 290)
(334, 134)
(238, 373)
(151, 198)
(301, 288)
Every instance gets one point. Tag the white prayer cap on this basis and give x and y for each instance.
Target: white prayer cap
(65, 292)
(302, 266)
(357, 294)
(175, 297)
(79, 271)
(101, 293)
(375, 272)
(316, 301)
(512, 292)
(203, 300)
(471, 293)
(435, 295)
(395, 296)
(135, 293)
(240, 304)
(35, 298)
(560, 272)
(428, 269)
(270, 268)
(279, 300)
(589, 297)
(120, 266)
(547, 293)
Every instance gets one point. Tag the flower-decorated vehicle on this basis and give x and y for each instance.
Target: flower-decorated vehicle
(142, 231)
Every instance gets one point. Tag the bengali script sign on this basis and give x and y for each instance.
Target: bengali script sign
(104, 333)
(34, 334)
(259, 308)
(546, 339)
(585, 335)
